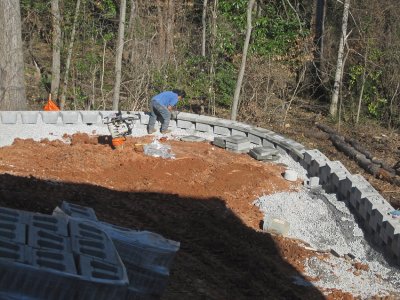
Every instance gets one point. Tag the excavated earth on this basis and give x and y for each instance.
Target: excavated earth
(202, 198)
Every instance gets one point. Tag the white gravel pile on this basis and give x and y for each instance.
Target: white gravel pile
(326, 224)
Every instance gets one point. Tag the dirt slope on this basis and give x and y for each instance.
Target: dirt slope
(203, 199)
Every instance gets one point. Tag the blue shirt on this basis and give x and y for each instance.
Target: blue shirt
(167, 98)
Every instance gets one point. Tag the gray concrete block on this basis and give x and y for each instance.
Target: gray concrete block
(48, 259)
(316, 168)
(43, 239)
(222, 131)
(50, 117)
(102, 271)
(78, 211)
(98, 249)
(9, 117)
(267, 143)
(172, 124)
(144, 118)
(238, 132)
(192, 138)
(242, 147)
(12, 231)
(90, 117)
(49, 223)
(312, 182)
(219, 142)
(376, 220)
(185, 124)
(237, 139)
(309, 155)
(359, 192)
(29, 117)
(297, 154)
(200, 119)
(254, 139)
(344, 188)
(395, 246)
(262, 132)
(13, 215)
(204, 127)
(388, 231)
(70, 117)
(264, 153)
(239, 126)
(359, 180)
(333, 182)
(290, 144)
(193, 118)
(145, 248)
(329, 168)
(376, 201)
(86, 230)
(151, 281)
(12, 251)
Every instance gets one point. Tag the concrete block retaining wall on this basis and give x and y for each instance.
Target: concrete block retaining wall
(366, 203)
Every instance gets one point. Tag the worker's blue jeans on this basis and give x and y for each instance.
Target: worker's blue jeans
(158, 110)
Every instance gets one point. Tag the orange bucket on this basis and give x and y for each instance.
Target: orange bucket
(117, 142)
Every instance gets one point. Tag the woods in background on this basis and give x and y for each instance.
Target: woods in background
(116, 54)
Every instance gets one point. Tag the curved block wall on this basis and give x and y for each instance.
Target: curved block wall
(366, 203)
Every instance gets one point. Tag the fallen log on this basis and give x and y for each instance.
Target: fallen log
(362, 157)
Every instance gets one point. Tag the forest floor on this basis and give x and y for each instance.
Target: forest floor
(203, 199)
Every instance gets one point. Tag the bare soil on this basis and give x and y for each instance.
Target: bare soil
(203, 199)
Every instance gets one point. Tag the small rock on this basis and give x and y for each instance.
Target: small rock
(334, 253)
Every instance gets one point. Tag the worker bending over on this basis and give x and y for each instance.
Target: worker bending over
(161, 106)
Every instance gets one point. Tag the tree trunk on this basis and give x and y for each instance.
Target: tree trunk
(339, 65)
(203, 20)
(131, 31)
(118, 58)
(213, 38)
(12, 84)
(55, 70)
(320, 14)
(170, 29)
(161, 33)
(243, 65)
(68, 63)
(362, 85)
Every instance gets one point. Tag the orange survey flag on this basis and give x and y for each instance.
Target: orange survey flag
(50, 105)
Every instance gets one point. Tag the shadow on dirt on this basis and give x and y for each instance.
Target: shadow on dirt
(220, 257)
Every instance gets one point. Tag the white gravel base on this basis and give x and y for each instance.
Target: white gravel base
(325, 223)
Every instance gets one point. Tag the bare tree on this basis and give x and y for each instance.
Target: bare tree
(169, 49)
(213, 38)
(68, 63)
(12, 84)
(249, 28)
(203, 20)
(131, 30)
(161, 33)
(55, 70)
(339, 65)
(118, 56)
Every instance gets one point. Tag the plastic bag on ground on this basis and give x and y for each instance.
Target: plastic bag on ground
(156, 149)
